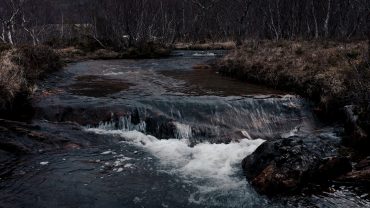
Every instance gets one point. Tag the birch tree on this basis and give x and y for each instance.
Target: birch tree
(8, 21)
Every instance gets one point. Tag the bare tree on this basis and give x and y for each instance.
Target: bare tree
(245, 5)
(368, 34)
(9, 22)
(123, 23)
(327, 19)
(315, 19)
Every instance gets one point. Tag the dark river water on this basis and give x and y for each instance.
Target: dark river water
(160, 134)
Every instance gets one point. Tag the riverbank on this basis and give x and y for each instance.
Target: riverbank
(21, 67)
(336, 77)
(144, 51)
(149, 50)
(331, 74)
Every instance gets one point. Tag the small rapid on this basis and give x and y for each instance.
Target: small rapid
(215, 119)
(213, 169)
(210, 137)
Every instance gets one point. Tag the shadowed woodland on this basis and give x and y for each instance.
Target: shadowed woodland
(125, 23)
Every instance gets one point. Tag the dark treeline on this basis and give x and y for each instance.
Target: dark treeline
(127, 22)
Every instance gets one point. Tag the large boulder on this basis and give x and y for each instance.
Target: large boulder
(285, 166)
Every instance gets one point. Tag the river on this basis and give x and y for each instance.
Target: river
(158, 133)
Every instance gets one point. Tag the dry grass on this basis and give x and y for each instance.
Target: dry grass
(206, 46)
(11, 79)
(327, 72)
(20, 68)
(72, 54)
(145, 50)
(331, 74)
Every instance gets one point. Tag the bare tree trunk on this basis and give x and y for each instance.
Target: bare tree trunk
(62, 29)
(242, 21)
(2, 37)
(315, 20)
(368, 36)
(183, 20)
(31, 32)
(10, 37)
(368, 45)
(273, 26)
(327, 19)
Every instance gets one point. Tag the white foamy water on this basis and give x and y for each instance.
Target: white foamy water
(123, 123)
(183, 131)
(211, 168)
(204, 54)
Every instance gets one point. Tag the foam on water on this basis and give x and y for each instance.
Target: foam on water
(204, 54)
(124, 123)
(211, 168)
(183, 131)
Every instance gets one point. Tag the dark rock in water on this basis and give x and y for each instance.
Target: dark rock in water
(160, 127)
(23, 138)
(81, 115)
(359, 137)
(135, 117)
(363, 164)
(360, 174)
(332, 167)
(359, 177)
(19, 139)
(287, 165)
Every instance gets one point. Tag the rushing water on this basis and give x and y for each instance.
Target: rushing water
(174, 137)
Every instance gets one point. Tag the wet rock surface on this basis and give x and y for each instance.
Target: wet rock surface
(19, 140)
(358, 137)
(360, 175)
(95, 86)
(286, 166)
(161, 127)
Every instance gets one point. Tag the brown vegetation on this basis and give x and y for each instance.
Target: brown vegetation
(73, 54)
(147, 50)
(331, 74)
(206, 46)
(321, 71)
(20, 68)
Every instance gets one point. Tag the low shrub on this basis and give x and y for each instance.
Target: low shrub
(4, 47)
(147, 50)
(20, 68)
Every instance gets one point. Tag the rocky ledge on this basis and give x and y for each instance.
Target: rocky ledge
(19, 140)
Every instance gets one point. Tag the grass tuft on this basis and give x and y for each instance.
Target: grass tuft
(20, 68)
